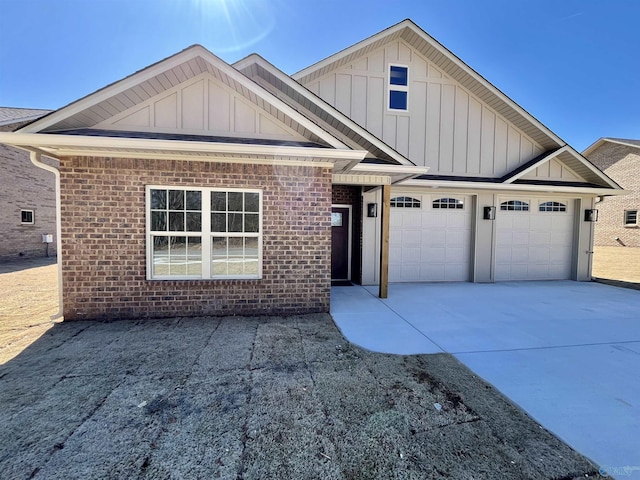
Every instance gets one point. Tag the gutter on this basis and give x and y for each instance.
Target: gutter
(36, 159)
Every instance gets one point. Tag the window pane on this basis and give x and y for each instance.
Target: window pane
(251, 202)
(219, 267)
(194, 256)
(219, 247)
(236, 247)
(194, 222)
(397, 100)
(251, 223)
(235, 222)
(235, 201)
(194, 200)
(399, 76)
(251, 267)
(218, 222)
(158, 199)
(160, 256)
(176, 221)
(159, 221)
(176, 199)
(251, 248)
(219, 201)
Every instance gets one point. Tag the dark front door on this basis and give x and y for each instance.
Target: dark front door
(340, 243)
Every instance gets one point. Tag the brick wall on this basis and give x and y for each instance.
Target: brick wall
(24, 187)
(104, 251)
(352, 195)
(622, 164)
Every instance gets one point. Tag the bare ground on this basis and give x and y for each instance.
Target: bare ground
(248, 398)
(617, 263)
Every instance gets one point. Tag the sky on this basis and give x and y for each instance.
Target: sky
(573, 64)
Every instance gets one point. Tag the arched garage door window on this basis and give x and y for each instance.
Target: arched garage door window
(452, 203)
(514, 206)
(405, 202)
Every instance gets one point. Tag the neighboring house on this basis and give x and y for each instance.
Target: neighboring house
(618, 222)
(27, 195)
(195, 187)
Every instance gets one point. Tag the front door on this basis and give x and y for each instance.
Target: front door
(340, 243)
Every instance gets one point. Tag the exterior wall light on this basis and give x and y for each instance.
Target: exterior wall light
(591, 215)
(489, 213)
(372, 210)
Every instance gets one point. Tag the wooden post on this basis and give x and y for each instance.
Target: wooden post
(384, 241)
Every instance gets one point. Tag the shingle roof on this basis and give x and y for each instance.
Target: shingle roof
(9, 115)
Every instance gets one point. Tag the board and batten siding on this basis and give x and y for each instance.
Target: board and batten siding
(204, 106)
(447, 128)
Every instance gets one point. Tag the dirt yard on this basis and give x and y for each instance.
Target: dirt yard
(617, 263)
(245, 398)
(29, 297)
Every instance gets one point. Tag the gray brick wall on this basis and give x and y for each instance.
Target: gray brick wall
(23, 186)
(622, 164)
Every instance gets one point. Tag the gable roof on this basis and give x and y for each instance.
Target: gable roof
(331, 119)
(450, 64)
(620, 141)
(162, 76)
(11, 115)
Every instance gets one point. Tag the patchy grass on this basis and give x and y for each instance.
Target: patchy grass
(617, 263)
(247, 399)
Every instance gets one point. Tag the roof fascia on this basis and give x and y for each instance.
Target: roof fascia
(510, 187)
(71, 143)
(306, 93)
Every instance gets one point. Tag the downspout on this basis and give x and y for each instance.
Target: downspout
(36, 159)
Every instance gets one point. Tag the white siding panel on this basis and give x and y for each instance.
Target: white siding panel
(475, 123)
(501, 139)
(376, 62)
(244, 117)
(375, 106)
(447, 121)
(417, 127)
(328, 89)
(220, 104)
(460, 131)
(139, 118)
(269, 127)
(343, 94)
(166, 112)
(487, 143)
(359, 100)
(433, 125)
(389, 127)
(402, 135)
(193, 106)
(513, 151)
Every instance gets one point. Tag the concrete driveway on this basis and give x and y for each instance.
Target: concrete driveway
(568, 353)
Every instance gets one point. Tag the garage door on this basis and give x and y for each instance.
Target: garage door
(430, 238)
(534, 239)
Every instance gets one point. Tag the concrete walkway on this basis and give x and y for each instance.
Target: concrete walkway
(568, 353)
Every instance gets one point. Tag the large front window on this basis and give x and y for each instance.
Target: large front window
(203, 233)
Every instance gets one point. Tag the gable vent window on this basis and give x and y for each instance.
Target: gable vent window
(631, 218)
(405, 202)
(453, 203)
(553, 207)
(514, 206)
(398, 88)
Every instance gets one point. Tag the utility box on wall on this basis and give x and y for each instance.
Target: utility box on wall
(47, 238)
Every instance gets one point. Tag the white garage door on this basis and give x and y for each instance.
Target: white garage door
(430, 238)
(534, 239)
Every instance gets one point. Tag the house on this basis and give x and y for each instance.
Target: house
(618, 216)
(27, 195)
(195, 187)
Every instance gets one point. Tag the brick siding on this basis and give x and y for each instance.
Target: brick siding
(104, 250)
(622, 164)
(352, 195)
(24, 187)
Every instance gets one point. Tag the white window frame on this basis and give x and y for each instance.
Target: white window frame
(625, 218)
(397, 88)
(206, 234)
(33, 217)
(458, 203)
